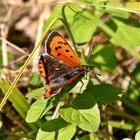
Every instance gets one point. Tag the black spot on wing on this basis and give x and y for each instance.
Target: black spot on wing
(59, 47)
(71, 56)
(58, 54)
(60, 42)
(56, 48)
(67, 51)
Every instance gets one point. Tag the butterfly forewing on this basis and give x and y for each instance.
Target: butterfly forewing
(58, 47)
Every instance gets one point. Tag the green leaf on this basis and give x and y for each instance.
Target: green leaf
(103, 93)
(84, 101)
(87, 1)
(136, 73)
(115, 9)
(56, 129)
(54, 125)
(90, 137)
(36, 110)
(57, 13)
(126, 35)
(16, 98)
(103, 56)
(36, 94)
(81, 22)
(86, 119)
(137, 136)
(34, 79)
(40, 107)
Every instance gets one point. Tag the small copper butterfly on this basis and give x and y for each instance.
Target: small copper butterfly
(59, 65)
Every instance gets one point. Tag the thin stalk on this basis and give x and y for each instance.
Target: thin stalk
(121, 125)
(66, 25)
(13, 46)
(56, 113)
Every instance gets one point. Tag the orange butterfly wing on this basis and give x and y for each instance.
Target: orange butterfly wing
(43, 70)
(58, 47)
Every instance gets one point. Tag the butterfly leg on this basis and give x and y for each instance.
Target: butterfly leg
(81, 86)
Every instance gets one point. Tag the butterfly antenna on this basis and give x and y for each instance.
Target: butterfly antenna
(80, 13)
(90, 52)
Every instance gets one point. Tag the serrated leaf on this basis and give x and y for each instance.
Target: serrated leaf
(86, 119)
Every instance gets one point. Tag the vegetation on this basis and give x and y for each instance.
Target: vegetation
(106, 35)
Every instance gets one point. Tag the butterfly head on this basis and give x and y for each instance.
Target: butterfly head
(87, 68)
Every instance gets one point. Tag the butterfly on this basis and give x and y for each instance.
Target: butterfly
(59, 65)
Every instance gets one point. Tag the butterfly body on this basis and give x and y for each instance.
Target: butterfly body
(59, 65)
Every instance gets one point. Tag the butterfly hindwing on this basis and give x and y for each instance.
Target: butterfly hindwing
(60, 75)
(56, 70)
(42, 65)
